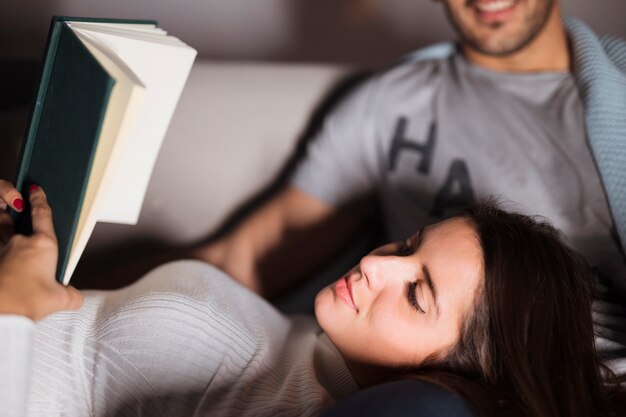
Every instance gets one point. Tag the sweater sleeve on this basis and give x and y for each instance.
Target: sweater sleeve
(16, 336)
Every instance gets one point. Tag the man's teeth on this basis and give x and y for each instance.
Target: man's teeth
(495, 6)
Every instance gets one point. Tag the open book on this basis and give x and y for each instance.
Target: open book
(106, 96)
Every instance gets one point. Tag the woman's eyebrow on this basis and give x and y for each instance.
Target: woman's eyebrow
(426, 272)
(431, 286)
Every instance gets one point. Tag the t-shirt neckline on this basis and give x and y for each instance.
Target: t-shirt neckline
(548, 75)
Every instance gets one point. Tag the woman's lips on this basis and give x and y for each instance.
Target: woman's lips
(344, 292)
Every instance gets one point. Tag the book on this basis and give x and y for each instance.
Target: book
(107, 92)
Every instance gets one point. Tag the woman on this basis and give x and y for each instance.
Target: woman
(487, 303)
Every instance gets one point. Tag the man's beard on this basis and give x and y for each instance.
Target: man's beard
(533, 25)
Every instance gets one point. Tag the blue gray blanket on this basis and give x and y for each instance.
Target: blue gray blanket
(600, 69)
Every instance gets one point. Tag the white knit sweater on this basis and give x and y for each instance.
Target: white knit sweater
(186, 340)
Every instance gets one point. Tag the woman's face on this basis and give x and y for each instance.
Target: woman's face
(405, 301)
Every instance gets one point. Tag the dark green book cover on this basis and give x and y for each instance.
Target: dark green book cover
(63, 131)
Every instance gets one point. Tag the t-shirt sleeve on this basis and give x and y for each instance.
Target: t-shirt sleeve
(16, 338)
(339, 163)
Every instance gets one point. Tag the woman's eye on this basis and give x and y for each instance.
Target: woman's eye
(412, 295)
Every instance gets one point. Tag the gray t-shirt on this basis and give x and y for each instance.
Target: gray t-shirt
(432, 136)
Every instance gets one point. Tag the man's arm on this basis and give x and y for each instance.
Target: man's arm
(281, 242)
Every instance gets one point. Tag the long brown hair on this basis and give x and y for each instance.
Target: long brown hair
(527, 347)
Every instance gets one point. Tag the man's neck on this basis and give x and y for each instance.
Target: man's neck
(549, 51)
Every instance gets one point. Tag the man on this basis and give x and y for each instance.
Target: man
(501, 115)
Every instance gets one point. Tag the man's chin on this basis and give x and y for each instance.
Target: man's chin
(498, 38)
(502, 46)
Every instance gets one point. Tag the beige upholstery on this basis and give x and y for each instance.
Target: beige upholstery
(235, 125)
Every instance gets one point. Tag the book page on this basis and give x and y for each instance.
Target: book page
(163, 69)
(153, 36)
(124, 104)
(126, 30)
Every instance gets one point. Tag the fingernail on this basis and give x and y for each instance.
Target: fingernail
(18, 203)
(33, 187)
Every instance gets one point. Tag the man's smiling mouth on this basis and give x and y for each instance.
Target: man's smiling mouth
(493, 12)
(494, 6)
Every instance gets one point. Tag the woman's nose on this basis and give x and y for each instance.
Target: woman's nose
(380, 269)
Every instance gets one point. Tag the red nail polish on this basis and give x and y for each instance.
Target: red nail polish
(18, 203)
(32, 188)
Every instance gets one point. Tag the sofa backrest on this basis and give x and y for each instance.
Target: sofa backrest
(235, 126)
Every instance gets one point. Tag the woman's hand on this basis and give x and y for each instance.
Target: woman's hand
(28, 263)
